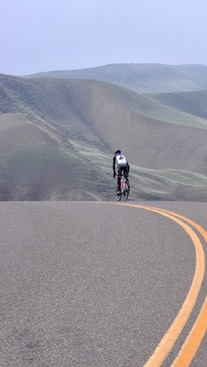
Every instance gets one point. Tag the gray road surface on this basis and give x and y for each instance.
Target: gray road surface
(92, 284)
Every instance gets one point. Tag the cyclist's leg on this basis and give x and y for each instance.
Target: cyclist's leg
(119, 178)
(126, 175)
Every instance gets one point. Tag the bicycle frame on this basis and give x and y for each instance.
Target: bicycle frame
(124, 186)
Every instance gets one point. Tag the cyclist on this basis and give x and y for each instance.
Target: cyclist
(121, 166)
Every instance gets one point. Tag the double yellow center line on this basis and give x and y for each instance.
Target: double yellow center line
(193, 341)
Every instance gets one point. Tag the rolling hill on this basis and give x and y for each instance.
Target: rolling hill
(57, 137)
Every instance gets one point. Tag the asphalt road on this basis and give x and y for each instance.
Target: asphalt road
(97, 284)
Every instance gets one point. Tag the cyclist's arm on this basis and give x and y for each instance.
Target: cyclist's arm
(114, 165)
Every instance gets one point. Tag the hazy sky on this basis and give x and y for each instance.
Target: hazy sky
(44, 35)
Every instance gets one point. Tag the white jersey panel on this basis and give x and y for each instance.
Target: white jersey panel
(121, 160)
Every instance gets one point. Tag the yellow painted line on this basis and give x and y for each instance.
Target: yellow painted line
(169, 339)
(194, 340)
(192, 223)
(199, 329)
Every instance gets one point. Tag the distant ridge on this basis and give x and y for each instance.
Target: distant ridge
(142, 78)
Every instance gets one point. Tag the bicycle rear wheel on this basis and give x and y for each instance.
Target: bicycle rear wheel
(126, 193)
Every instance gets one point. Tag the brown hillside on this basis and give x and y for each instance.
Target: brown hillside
(34, 165)
(106, 116)
(90, 119)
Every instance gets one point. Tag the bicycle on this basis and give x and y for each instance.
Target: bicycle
(125, 188)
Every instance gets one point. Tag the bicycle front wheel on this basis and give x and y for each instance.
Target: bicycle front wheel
(119, 196)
